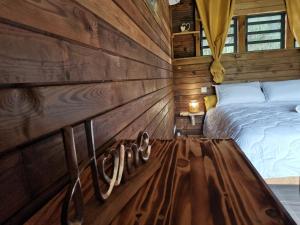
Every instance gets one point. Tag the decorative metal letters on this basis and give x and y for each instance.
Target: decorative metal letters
(118, 160)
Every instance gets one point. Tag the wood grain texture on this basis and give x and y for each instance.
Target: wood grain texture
(145, 22)
(110, 12)
(196, 184)
(241, 36)
(68, 19)
(185, 127)
(50, 108)
(75, 22)
(185, 45)
(61, 73)
(47, 156)
(188, 46)
(247, 7)
(45, 60)
(192, 74)
(183, 13)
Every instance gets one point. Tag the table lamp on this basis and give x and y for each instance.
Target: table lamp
(194, 106)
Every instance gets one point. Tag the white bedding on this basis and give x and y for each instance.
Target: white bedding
(268, 133)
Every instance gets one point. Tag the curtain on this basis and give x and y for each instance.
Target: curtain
(216, 16)
(293, 13)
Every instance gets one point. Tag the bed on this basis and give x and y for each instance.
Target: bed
(268, 133)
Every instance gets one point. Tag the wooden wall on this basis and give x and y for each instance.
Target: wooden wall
(192, 74)
(246, 7)
(184, 12)
(64, 61)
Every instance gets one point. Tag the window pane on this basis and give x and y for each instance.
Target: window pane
(264, 37)
(264, 46)
(296, 44)
(206, 51)
(229, 40)
(265, 30)
(231, 30)
(205, 42)
(228, 49)
(263, 27)
(264, 18)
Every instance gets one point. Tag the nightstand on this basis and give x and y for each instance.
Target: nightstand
(190, 124)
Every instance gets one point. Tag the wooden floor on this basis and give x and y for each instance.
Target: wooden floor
(289, 196)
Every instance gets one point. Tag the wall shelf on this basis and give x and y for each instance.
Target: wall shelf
(185, 33)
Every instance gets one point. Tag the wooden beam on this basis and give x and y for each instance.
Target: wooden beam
(289, 37)
(197, 37)
(241, 34)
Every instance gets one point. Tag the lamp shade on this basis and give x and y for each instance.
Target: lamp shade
(194, 106)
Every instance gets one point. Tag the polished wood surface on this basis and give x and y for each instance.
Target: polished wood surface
(61, 63)
(200, 181)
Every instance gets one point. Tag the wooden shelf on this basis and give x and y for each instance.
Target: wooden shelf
(185, 33)
(191, 114)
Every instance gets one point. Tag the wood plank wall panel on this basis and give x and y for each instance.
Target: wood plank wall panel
(45, 60)
(184, 12)
(246, 7)
(81, 65)
(68, 19)
(131, 7)
(192, 74)
(109, 11)
(184, 46)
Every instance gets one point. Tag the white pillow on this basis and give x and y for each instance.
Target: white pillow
(276, 91)
(239, 93)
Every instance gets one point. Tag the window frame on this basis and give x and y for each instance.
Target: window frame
(282, 30)
(234, 35)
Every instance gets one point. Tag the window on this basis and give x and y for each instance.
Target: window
(265, 32)
(230, 44)
(296, 44)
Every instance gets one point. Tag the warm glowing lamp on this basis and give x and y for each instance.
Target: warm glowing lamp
(194, 106)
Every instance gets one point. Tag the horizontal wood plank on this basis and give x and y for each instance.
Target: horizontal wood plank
(68, 19)
(30, 113)
(111, 13)
(66, 63)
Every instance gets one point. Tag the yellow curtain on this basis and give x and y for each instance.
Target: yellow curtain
(216, 16)
(293, 13)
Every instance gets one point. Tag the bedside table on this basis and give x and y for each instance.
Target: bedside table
(190, 124)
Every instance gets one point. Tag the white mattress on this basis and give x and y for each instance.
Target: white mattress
(268, 133)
